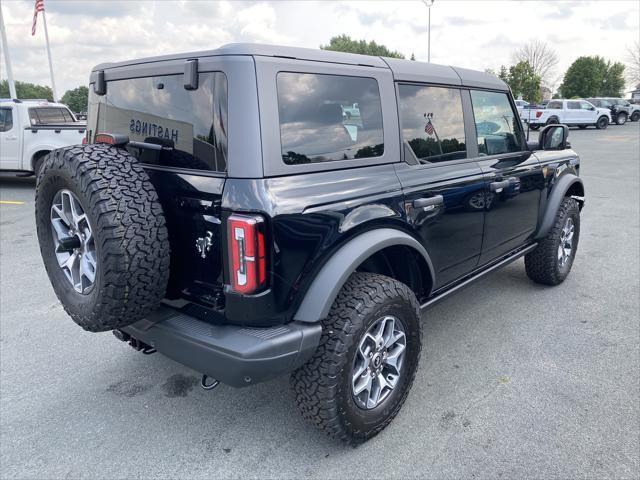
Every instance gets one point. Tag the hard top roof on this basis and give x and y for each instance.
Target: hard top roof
(403, 70)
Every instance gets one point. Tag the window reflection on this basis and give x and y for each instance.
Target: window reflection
(328, 117)
(192, 123)
(497, 127)
(432, 122)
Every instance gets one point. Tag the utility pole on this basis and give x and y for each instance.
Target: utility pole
(7, 59)
(429, 4)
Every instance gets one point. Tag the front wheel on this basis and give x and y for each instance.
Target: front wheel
(621, 119)
(602, 123)
(364, 367)
(635, 116)
(551, 261)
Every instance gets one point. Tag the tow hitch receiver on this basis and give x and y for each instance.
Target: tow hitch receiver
(208, 385)
(135, 343)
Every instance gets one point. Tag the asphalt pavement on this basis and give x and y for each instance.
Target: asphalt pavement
(516, 380)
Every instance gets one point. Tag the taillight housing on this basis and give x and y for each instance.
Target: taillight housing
(247, 256)
(538, 114)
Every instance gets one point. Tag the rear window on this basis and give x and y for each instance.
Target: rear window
(190, 124)
(50, 116)
(325, 118)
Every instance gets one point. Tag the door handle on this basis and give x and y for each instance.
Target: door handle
(12, 137)
(498, 186)
(428, 202)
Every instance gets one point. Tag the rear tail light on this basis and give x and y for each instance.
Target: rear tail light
(247, 259)
(84, 140)
(538, 114)
(111, 139)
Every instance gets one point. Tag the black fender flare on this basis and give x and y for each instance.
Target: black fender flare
(558, 192)
(327, 283)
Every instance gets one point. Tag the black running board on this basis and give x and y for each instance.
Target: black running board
(476, 275)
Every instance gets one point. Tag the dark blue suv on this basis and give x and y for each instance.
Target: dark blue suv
(253, 211)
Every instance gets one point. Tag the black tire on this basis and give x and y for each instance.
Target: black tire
(37, 163)
(552, 121)
(635, 116)
(542, 264)
(128, 228)
(534, 127)
(323, 386)
(602, 123)
(621, 118)
(582, 127)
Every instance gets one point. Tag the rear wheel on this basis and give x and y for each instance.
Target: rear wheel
(635, 116)
(102, 235)
(602, 123)
(552, 121)
(360, 376)
(551, 261)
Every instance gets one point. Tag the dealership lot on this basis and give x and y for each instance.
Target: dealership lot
(516, 380)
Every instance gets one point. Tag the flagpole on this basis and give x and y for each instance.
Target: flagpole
(7, 59)
(46, 36)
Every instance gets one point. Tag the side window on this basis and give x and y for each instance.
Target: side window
(497, 127)
(554, 105)
(432, 122)
(325, 118)
(585, 105)
(6, 119)
(573, 105)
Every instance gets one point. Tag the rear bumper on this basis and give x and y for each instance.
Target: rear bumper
(237, 356)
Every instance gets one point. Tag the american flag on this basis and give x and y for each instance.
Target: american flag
(428, 128)
(39, 7)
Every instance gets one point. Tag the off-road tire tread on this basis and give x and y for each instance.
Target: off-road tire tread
(315, 384)
(541, 264)
(129, 228)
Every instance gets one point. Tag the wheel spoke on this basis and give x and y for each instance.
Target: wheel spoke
(394, 360)
(363, 385)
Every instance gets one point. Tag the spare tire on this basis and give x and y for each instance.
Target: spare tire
(102, 234)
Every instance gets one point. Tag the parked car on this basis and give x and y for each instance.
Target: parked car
(30, 129)
(579, 113)
(521, 105)
(225, 215)
(621, 110)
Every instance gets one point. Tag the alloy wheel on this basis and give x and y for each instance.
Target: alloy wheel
(73, 241)
(566, 243)
(378, 362)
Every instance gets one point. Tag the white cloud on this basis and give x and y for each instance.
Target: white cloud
(469, 34)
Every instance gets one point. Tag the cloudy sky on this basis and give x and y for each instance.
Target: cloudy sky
(474, 34)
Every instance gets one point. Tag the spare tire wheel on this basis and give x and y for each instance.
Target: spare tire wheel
(102, 234)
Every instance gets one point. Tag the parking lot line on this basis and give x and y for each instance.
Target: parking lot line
(10, 202)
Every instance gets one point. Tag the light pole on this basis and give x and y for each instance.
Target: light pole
(429, 3)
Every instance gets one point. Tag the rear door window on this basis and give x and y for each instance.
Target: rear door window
(191, 125)
(554, 105)
(497, 126)
(573, 105)
(325, 118)
(432, 122)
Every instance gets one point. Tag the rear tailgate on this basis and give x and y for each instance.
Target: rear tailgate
(188, 129)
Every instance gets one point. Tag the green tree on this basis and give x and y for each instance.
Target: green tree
(26, 90)
(593, 77)
(523, 81)
(76, 99)
(344, 43)
(504, 74)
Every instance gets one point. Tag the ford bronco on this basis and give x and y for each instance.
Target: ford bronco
(227, 213)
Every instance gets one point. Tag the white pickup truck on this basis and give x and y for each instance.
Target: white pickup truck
(29, 129)
(579, 113)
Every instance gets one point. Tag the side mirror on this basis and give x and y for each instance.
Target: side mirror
(592, 108)
(554, 137)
